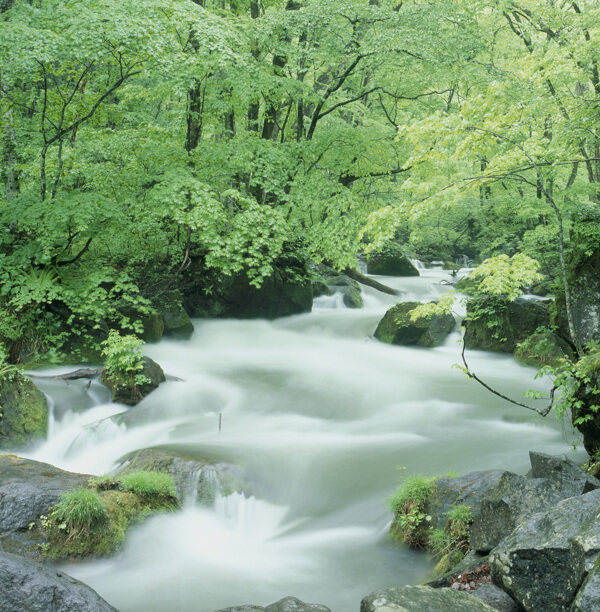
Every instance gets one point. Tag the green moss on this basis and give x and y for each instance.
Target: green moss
(411, 524)
(94, 521)
(23, 410)
(150, 485)
(544, 347)
(446, 563)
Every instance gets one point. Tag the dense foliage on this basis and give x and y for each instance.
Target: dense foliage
(139, 136)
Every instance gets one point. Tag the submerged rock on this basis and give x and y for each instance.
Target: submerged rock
(195, 479)
(501, 324)
(390, 261)
(23, 411)
(27, 585)
(287, 604)
(543, 562)
(421, 599)
(132, 393)
(348, 288)
(27, 490)
(396, 327)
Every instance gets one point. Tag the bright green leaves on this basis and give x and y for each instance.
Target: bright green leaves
(507, 276)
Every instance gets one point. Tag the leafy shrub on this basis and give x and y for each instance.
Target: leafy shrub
(123, 359)
(150, 485)
(79, 510)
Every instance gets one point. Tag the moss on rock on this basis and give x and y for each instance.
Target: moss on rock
(391, 261)
(121, 509)
(23, 411)
(397, 327)
(543, 348)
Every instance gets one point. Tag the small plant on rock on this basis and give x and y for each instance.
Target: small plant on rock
(123, 361)
(150, 485)
(79, 511)
(411, 523)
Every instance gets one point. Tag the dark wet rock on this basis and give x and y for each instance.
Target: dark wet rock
(586, 396)
(501, 324)
(132, 393)
(29, 586)
(194, 478)
(396, 327)
(177, 323)
(514, 499)
(27, 490)
(568, 475)
(421, 599)
(588, 596)
(348, 288)
(287, 604)
(543, 348)
(543, 562)
(390, 261)
(470, 490)
(496, 598)
(286, 291)
(23, 411)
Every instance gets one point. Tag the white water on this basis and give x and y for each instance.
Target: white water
(326, 422)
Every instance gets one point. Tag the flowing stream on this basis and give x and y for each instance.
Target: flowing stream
(325, 421)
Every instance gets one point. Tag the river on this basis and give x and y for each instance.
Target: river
(326, 421)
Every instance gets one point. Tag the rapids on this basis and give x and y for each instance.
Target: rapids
(326, 421)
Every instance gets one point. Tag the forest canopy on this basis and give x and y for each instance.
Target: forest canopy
(142, 138)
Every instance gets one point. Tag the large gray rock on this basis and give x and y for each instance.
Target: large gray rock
(390, 261)
(29, 586)
(196, 479)
(588, 596)
(396, 327)
(422, 599)
(514, 499)
(132, 393)
(23, 411)
(542, 563)
(27, 490)
(567, 474)
(470, 489)
(287, 604)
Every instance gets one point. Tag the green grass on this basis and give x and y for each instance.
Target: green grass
(80, 510)
(149, 485)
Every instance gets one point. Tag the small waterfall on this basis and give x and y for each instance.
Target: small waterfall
(329, 302)
(204, 485)
(51, 415)
(417, 263)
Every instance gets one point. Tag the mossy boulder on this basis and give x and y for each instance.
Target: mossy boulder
(390, 261)
(497, 324)
(196, 479)
(285, 292)
(128, 391)
(177, 323)
(542, 348)
(23, 411)
(396, 327)
(153, 327)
